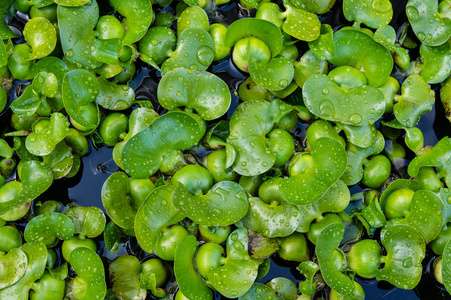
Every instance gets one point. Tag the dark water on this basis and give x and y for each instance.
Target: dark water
(85, 188)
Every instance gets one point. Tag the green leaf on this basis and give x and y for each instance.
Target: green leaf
(37, 258)
(49, 225)
(195, 50)
(358, 106)
(307, 66)
(14, 265)
(189, 281)
(309, 270)
(373, 14)
(88, 221)
(144, 152)
(236, 276)
(328, 240)
(208, 94)
(301, 24)
(118, 203)
(27, 104)
(112, 236)
(43, 141)
(124, 273)
(357, 156)
(439, 156)
(90, 282)
(335, 200)
(107, 51)
(71, 3)
(76, 27)
(361, 136)
(429, 20)
(60, 160)
(272, 220)
(367, 55)
(416, 98)
(446, 266)
(425, 214)
(138, 17)
(264, 30)
(314, 6)
(323, 47)
(329, 163)
(58, 68)
(275, 75)
(437, 62)
(156, 213)
(261, 291)
(36, 178)
(80, 90)
(284, 287)
(114, 96)
(405, 250)
(40, 36)
(224, 204)
(5, 31)
(249, 125)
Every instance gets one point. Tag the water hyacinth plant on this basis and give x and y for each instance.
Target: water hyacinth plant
(248, 149)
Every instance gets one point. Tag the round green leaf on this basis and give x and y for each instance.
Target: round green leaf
(49, 225)
(76, 27)
(14, 265)
(36, 178)
(138, 17)
(405, 250)
(236, 276)
(276, 75)
(272, 220)
(416, 98)
(357, 156)
(40, 36)
(71, 3)
(329, 239)
(155, 214)
(144, 152)
(61, 160)
(261, 291)
(37, 257)
(189, 281)
(358, 106)
(437, 62)
(425, 214)
(335, 200)
(249, 124)
(124, 273)
(446, 267)
(430, 21)
(301, 24)
(88, 221)
(90, 282)
(323, 47)
(264, 30)
(224, 204)
(329, 163)
(195, 50)
(307, 66)
(208, 94)
(44, 141)
(367, 55)
(117, 201)
(80, 90)
(114, 96)
(373, 14)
